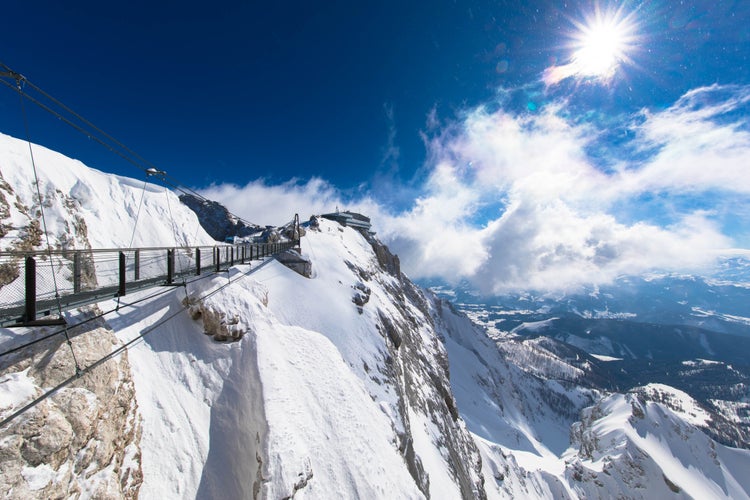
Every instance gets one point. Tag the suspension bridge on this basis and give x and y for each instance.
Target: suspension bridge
(45, 283)
(38, 285)
(35, 283)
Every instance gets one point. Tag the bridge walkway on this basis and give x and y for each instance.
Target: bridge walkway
(36, 286)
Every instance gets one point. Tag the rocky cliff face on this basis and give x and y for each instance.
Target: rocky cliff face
(84, 440)
(420, 373)
(216, 219)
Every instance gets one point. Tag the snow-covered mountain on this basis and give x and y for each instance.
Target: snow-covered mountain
(352, 383)
(684, 331)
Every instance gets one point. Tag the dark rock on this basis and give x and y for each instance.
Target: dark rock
(296, 262)
(216, 219)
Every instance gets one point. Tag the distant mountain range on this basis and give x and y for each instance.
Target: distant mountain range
(691, 333)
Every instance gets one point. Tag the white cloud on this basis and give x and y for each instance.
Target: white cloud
(276, 204)
(555, 247)
(515, 202)
(699, 145)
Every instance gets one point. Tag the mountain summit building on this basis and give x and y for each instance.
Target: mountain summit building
(351, 219)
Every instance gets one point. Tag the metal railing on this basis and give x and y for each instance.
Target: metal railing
(32, 283)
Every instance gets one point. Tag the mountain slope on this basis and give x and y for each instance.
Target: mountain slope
(85, 208)
(630, 446)
(312, 388)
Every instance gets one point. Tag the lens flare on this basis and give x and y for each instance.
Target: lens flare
(600, 45)
(603, 47)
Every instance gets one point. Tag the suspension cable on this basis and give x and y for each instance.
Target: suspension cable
(138, 214)
(118, 351)
(46, 232)
(121, 150)
(97, 316)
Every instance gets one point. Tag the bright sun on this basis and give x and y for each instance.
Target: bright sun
(602, 48)
(602, 44)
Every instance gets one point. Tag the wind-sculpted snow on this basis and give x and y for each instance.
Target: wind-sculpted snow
(387, 349)
(86, 438)
(320, 396)
(338, 385)
(85, 208)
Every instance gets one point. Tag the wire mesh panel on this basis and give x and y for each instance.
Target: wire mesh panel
(11, 280)
(153, 263)
(54, 276)
(206, 258)
(106, 269)
(184, 261)
(84, 271)
(70, 278)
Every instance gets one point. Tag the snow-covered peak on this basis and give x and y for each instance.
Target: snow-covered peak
(677, 401)
(84, 207)
(636, 448)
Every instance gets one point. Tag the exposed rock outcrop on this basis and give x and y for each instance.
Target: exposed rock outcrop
(85, 438)
(216, 219)
(419, 371)
(296, 262)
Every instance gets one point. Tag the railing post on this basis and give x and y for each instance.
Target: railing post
(137, 263)
(231, 256)
(217, 258)
(170, 266)
(197, 261)
(121, 287)
(30, 309)
(76, 271)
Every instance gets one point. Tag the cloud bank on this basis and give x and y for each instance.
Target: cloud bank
(516, 201)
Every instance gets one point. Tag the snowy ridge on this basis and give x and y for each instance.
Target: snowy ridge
(637, 448)
(322, 386)
(644, 444)
(86, 208)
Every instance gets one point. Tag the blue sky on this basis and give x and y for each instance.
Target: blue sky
(489, 118)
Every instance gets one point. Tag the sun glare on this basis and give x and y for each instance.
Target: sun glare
(602, 48)
(601, 43)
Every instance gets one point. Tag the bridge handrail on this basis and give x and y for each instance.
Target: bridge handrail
(58, 251)
(80, 276)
